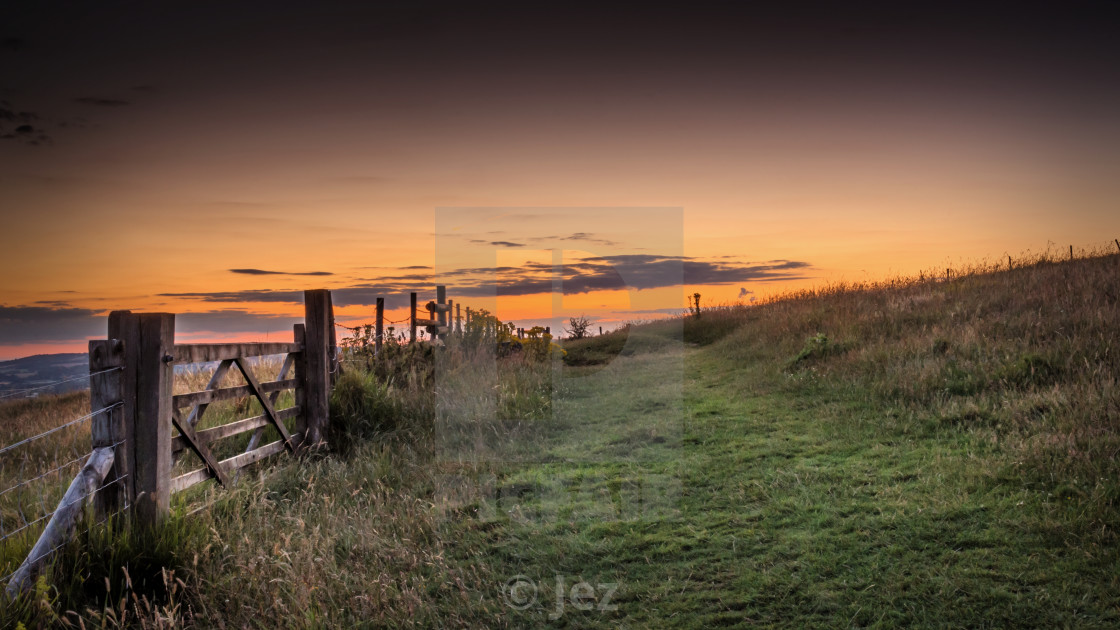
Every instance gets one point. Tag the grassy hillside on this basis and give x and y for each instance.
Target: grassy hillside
(914, 453)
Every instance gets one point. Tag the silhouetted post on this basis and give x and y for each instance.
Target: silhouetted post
(441, 299)
(316, 359)
(1071, 252)
(412, 319)
(600, 331)
(458, 319)
(380, 325)
(1009, 262)
(1117, 241)
(468, 317)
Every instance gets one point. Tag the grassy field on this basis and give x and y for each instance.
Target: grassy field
(914, 453)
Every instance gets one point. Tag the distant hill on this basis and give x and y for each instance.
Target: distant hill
(41, 374)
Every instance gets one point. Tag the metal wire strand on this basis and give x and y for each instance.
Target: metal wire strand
(60, 427)
(52, 512)
(61, 544)
(53, 470)
(65, 380)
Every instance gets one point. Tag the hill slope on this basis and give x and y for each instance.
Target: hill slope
(910, 454)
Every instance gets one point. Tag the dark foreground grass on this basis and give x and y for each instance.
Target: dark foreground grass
(929, 454)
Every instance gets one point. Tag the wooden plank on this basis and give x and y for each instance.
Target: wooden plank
(427, 322)
(266, 403)
(256, 437)
(237, 462)
(186, 431)
(106, 358)
(226, 393)
(65, 518)
(206, 352)
(213, 434)
(152, 435)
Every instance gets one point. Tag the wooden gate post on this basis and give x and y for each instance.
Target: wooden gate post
(149, 347)
(106, 391)
(124, 326)
(316, 368)
(458, 319)
(300, 374)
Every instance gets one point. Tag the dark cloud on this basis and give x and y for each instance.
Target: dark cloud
(21, 126)
(265, 272)
(497, 243)
(101, 102)
(601, 273)
(30, 324)
(255, 295)
(36, 324)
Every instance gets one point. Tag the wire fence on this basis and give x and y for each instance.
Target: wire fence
(38, 388)
(35, 473)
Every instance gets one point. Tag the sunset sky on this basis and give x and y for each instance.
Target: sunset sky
(215, 161)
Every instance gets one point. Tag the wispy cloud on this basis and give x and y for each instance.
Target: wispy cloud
(266, 272)
(497, 243)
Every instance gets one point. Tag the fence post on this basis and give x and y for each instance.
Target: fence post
(125, 327)
(335, 363)
(441, 299)
(106, 362)
(155, 375)
(316, 368)
(300, 374)
(380, 325)
(458, 319)
(412, 321)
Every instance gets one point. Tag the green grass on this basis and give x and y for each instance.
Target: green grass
(905, 454)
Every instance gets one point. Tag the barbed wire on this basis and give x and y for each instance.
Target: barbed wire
(65, 380)
(60, 427)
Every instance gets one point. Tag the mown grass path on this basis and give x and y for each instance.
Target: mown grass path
(748, 497)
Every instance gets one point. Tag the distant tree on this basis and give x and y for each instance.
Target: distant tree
(578, 327)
